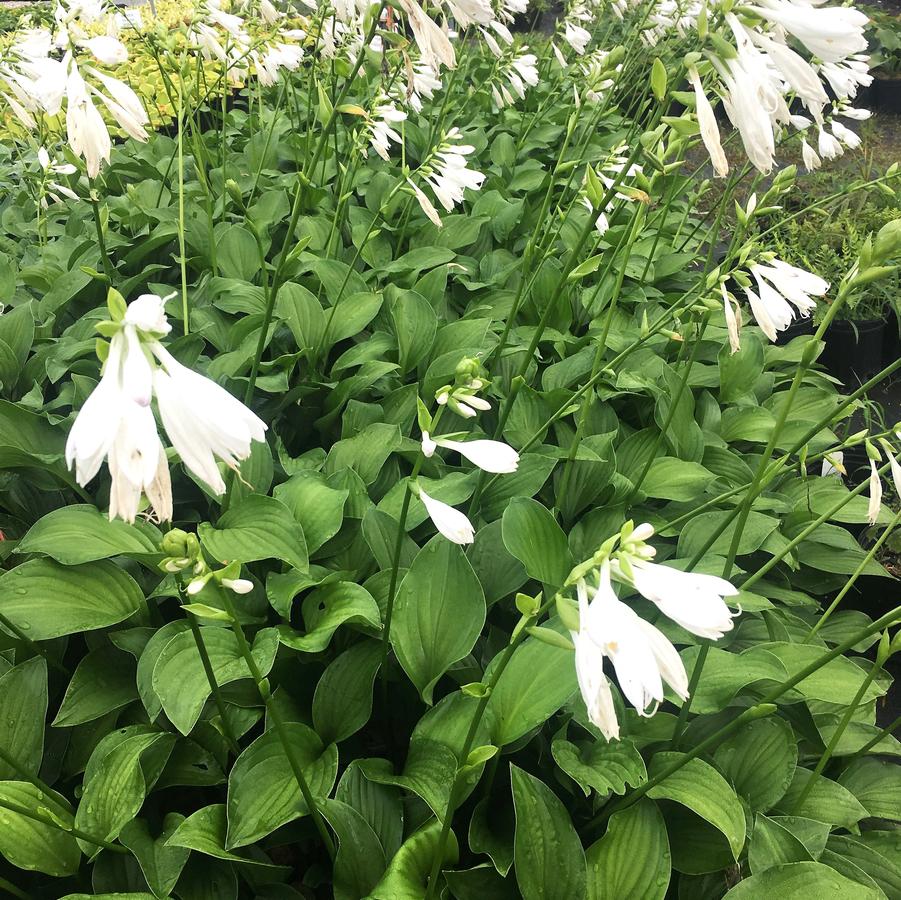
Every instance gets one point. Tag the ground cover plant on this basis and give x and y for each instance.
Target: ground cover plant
(407, 487)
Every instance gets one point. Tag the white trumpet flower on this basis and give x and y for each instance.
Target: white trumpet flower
(432, 40)
(451, 177)
(490, 456)
(830, 32)
(710, 132)
(85, 128)
(593, 683)
(690, 599)
(875, 488)
(641, 655)
(202, 419)
(108, 50)
(382, 132)
(450, 522)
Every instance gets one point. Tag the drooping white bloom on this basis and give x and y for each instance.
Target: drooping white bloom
(832, 33)
(790, 283)
(523, 71)
(710, 132)
(896, 472)
(576, 36)
(641, 655)
(108, 50)
(490, 456)
(772, 315)
(381, 131)
(114, 424)
(732, 312)
(809, 157)
(268, 13)
(123, 103)
(33, 43)
(449, 521)
(593, 684)
(847, 76)
(800, 75)
(875, 488)
(85, 128)
(202, 419)
(426, 205)
(434, 46)
(845, 135)
(690, 599)
(471, 12)
(828, 146)
(423, 83)
(450, 178)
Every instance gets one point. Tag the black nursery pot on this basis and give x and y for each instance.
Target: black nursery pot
(887, 94)
(796, 329)
(854, 349)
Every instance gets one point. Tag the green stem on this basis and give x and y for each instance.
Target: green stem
(278, 724)
(857, 571)
(105, 263)
(75, 832)
(181, 208)
(392, 584)
(23, 773)
(10, 888)
(873, 741)
(210, 673)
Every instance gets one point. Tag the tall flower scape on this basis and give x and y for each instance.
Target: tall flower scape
(408, 487)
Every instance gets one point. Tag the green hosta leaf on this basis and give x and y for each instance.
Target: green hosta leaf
(826, 802)
(380, 805)
(428, 772)
(262, 791)
(439, 612)
(47, 600)
(116, 782)
(836, 682)
(675, 479)
(633, 858)
(537, 541)
(147, 661)
(342, 702)
(23, 706)
(80, 534)
(360, 860)
(883, 869)
(726, 674)
(326, 609)
(28, 844)
(800, 881)
(103, 681)
(548, 857)
(408, 872)
(534, 470)
(774, 845)
(877, 785)
(160, 864)
(759, 760)
(205, 831)
(257, 528)
(606, 767)
(537, 681)
(318, 507)
(698, 786)
(414, 323)
(179, 679)
(491, 831)
(236, 253)
(28, 439)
